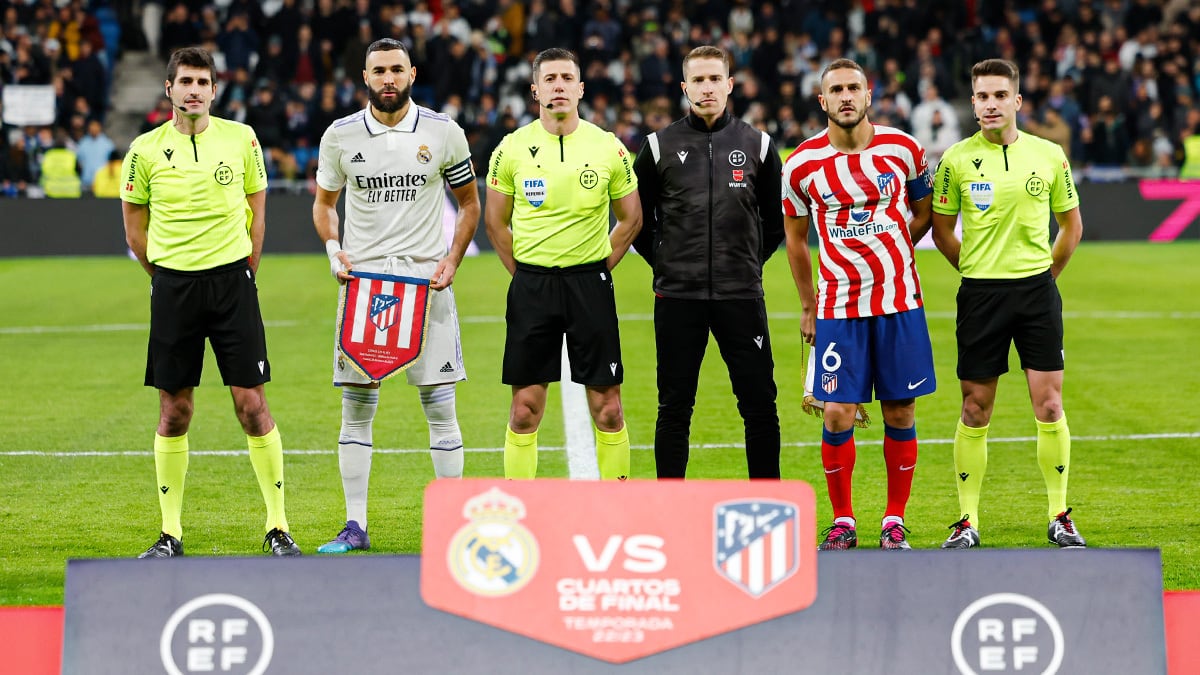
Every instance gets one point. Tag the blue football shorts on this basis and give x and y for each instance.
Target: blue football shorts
(890, 354)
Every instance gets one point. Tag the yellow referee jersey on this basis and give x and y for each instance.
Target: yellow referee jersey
(196, 187)
(561, 188)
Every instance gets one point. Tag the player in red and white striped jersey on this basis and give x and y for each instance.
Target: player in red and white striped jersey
(866, 189)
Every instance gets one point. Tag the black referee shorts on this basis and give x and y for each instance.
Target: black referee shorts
(220, 304)
(546, 303)
(994, 313)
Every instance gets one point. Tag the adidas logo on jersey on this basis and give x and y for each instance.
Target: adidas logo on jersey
(446, 368)
(357, 158)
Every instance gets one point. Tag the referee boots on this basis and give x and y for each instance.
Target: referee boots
(166, 547)
(280, 543)
(963, 535)
(1062, 531)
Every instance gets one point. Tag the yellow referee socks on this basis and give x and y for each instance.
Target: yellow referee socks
(266, 455)
(970, 463)
(612, 453)
(1054, 458)
(170, 467)
(520, 454)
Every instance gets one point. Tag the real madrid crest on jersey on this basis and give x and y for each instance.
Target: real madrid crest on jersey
(424, 155)
(493, 554)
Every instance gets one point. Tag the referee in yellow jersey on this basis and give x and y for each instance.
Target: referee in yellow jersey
(550, 186)
(194, 205)
(1006, 183)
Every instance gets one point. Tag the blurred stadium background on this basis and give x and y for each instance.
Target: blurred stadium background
(1115, 82)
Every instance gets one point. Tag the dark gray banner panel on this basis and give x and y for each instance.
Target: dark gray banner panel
(990, 611)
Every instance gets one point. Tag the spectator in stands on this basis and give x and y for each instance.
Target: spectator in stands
(107, 181)
(1191, 147)
(275, 65)
(267, 115)
(238, 42)
(160, 113)
(1051, 127)
(355, 53)
(90, 79)
(935, 124)
(1106, 142)
(60, 172)
(539, 27)
(177, 30)
(29, 64)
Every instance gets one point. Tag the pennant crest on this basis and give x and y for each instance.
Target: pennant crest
(756, 543)
(382, 323)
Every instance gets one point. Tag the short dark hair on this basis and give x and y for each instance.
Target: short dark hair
(387, 45)
(553, 54)
(192, 57)
(839, 64)
(1001, 67)
(707, 52)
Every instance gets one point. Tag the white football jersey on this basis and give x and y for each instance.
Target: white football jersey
(394, 181)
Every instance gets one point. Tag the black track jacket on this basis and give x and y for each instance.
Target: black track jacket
(711, 208)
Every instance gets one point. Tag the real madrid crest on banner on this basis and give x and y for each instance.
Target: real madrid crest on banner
(493, 554)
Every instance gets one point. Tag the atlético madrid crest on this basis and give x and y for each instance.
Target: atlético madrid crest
(383, 321)
(756, 543)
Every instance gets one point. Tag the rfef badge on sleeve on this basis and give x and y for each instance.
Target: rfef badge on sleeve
(382, 323)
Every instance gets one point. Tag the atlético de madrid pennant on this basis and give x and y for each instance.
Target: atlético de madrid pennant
(382, 323)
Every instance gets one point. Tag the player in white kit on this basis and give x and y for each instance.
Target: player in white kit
(393, 158)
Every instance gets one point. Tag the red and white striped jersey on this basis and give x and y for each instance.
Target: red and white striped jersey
(860, 206)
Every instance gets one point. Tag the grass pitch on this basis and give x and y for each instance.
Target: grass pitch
(76, 425)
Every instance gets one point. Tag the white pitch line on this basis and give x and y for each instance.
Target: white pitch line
(577, 427)
(106, 328)
(558, 448)
(775, 316)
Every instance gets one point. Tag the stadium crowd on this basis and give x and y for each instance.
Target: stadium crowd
(1115, 82)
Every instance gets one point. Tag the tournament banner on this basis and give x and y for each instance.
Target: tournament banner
(619, 570)
(382, 323)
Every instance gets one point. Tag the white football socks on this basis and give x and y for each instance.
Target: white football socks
(445, 438)
(354, 449)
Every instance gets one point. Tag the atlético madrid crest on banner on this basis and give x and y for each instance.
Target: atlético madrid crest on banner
(382, 323)
(756, 543)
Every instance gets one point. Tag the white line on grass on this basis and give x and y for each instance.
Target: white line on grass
(106, 328)
(778, 316)
(555, 448)
(581, 445)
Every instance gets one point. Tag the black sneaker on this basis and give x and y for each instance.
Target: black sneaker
(963, 536)
(166, 547)
(892, 538)
(280, 543)
(838, 537)
(1062, 531)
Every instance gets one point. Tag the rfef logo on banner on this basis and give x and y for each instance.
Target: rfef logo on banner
(382, 323)
(1007, 633)
(218, 632)
(618, 570)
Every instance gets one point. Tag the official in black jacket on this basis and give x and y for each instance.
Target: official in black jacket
(711, 215)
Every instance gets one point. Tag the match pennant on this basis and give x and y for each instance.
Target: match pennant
(382, 323)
